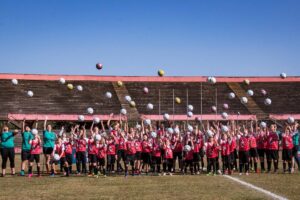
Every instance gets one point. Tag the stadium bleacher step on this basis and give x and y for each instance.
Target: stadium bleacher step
(121, 92)
(252, 106)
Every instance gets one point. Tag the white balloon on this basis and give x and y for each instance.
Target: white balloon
(138, 126)
(108, 95)
(212, 80)
(128, 98)
(263, 124)
(150, 106)
(190, 107)
(291, 120)
(187, 148)
(170, 130)
(153, 134)
(283, 75)
(81, 118)
(214, 108)
(190, 128)
(225, 106)
(34, 131)
(209, 133)
(146, 90)
(96, 120)
(30, 93)
(62, 80)
(190, 114)
(90, 110)
(225, 129)
(147, 122)
(123, 111)
(14, 81)
(166, 116)
(56, 157)
(98, 137)
(250, 93)
(244, 100)
(231, 95)
(79, 88)
(224, 115)
(268, 101)
(176, 130)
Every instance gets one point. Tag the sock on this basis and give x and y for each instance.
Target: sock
(262, 165)
(158, 168)
(247, 167)
(70, 169)
(104, 171)
(241, 168)
(30, 170)
(255, 166)
(251, 163)
(38, 170)
(269, 165)
(66, 170)
(290, 166)
(52, 171)
(284, 166)
(275, 165)
(95, 170)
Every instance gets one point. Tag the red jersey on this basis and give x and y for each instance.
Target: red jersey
(198, 143)
(60, 150)
(252, 141)
(261, 141)
(156, 152)
(225, 148)
(122, 144)
(287, 142)
(147, 146)
(101, 151)
(244, 144)
(68, 148)
(138, 146)
(232, 144)
(35, 147)
(81, 145)
(189, 155)
(168, 152)
(111, 148)
(130, 148)
(92, 147)
(212, 150)
(272, 140)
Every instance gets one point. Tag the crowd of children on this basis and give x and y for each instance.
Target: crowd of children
(223, 147)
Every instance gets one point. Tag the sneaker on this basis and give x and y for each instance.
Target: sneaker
(198, 173)
(219, 172)
(164, 174)
(247, 174)
(240, 174)
(52, 175)
(170, 174)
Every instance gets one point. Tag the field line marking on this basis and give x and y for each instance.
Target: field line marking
(275, 196)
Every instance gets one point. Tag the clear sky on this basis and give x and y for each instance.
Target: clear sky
(137, 37)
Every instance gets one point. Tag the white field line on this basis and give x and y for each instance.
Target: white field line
(274, 196)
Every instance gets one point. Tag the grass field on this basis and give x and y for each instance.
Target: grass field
(148, 187)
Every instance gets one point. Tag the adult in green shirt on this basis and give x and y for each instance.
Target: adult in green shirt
(49, 138)
(8, 149)
(26, 137)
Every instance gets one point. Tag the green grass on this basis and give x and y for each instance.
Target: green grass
(147, 187)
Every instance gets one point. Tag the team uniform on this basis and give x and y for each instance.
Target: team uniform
(272, 150)
(253, 151)
(225, 153)
(244, 148)
(35, 151)
(102, 148)
(156, 156)
(111, 155)
(168, 157)
(212, 151)
(287, 151)
(261, 141)
(81, 145)
(68, 153)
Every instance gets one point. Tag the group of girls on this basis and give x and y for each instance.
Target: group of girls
(99, 151)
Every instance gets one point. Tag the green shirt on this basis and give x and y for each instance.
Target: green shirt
(296, 139)
(49, 139)
(7, 140)
(26, 136)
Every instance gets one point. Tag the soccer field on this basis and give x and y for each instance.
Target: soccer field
(149, 187)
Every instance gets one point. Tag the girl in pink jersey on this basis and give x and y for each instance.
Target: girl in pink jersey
(59, 149)
(212, 151)
(92, 155)
(168, 156)
(111, 153)
(189, 158)
(35, 151)
(138, 154)
(287, 149)
(225, 153)
(102, 148)
(156, 155)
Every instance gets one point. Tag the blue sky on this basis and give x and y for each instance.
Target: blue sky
(137, 37)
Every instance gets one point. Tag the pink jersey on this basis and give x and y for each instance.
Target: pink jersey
(68, 148)
(287, 142)
(92, 147)
(233, 144)
(146, 145)
(212, 150)
(35, 147)
(252, 141)
(244, 143)
(261, 141)
(130, 147)
(81, 145)
(156, 152)
(59, 149)
(189, 155)
(272, 141)
(168, 152)
(138, 146)
(225, 148)
(198, 143)
(111, 148)
(122, 144)
(178, 145)
(101, 151)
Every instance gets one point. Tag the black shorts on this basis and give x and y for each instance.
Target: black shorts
(111, 159)
(196, 157)
(201, 153)
(25, 155)
(47, 150)
(287, 154)
(130, 159)
(101, 161)
(121, 154)
(261, 153)
(243, 157)
(295, 150)
(272, 154)
(177, 155)
(156, 160)
(138, 155)
(69, 159)
(146, 157)
(92, 158)
(188, 162)
(253, 153)
(34, 157)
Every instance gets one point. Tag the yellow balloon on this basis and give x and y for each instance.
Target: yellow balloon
(161, 72)
(70, 86)
(247, 82)
(178, 100)
(120, 83)
(132, 104)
